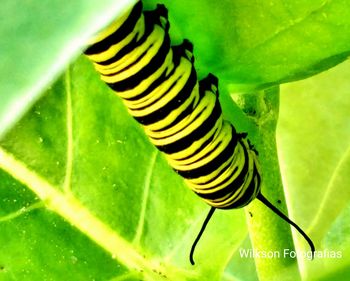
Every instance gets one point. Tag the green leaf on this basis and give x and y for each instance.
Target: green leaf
(263, 42)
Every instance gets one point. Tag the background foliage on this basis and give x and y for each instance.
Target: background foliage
(79, 140)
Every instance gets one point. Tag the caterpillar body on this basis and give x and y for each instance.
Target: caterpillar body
(181, 116)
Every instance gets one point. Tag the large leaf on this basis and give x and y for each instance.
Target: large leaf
(263, 42)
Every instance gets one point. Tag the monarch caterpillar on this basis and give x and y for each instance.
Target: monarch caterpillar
(181, 116)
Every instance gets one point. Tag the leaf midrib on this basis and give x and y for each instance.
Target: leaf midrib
(69, 208)
(282, 30)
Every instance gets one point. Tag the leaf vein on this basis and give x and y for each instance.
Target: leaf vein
(148, 180)
(69, 128)
(284, 28)
(75, 213)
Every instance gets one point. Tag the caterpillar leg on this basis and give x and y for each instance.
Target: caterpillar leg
(211, 83)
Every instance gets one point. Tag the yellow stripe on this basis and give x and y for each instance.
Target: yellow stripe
(144, 84)
(188, 125)
(248, 178)
(161, 94)
(237, 164)
(156, 38)
(111, 28)
(221, 134)
(138, 32)
(189, 153)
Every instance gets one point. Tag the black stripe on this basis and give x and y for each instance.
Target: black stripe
(195, 120)
(248, 195)
(213, 165)
(173, 104)
(146, 71)
(125, 29)
(157, 82)
(196, 134)
(183, 94)
(202, 147)
(206, 83)
(234, 186)
(223, 169)
(179, 118)
(151, 87)
(179, 52)
(129, 47)
(152, 18)
(131, 64)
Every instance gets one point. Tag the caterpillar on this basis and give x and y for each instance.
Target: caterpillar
(180, 115)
